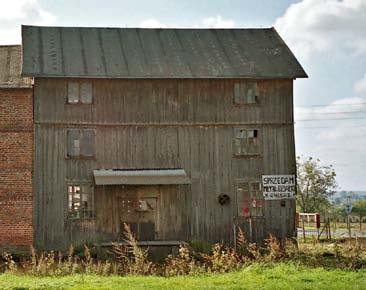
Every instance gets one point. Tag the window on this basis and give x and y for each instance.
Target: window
(246, 141)
(79, 93)
(147, 204)
(81, 143)
(249, 197)
(246, 93)
(80, 201)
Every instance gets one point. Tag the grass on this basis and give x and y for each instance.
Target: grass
(328, 265)
(256, 276)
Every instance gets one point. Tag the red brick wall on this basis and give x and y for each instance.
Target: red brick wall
(16, 162)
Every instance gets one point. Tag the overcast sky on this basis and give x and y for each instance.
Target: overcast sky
(327, 36)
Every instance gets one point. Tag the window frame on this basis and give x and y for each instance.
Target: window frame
(80, 84)
(238, 86)
(90, 200)
(257, 135)
(258, 197)
(81, 136)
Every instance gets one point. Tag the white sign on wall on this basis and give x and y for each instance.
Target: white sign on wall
(278, 186)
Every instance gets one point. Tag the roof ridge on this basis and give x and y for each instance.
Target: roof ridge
(153, 28)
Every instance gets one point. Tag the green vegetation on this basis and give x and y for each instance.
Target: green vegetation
(359, 208)
(315, 183)
(311, 265)
(255, 276)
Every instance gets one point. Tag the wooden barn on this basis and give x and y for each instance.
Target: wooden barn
(16, 145)
(184, 134)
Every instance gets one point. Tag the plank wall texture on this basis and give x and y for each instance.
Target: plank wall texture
(162, 123)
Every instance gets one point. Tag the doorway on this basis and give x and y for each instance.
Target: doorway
(138, 207)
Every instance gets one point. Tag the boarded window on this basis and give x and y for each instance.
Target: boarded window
(246, 93)
(80, 143)
(249, 199)
(80, 201)
(80, 92)
(246, 141)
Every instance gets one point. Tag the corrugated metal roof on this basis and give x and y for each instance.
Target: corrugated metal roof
(10, 68)
(157, 53)
(140, 177)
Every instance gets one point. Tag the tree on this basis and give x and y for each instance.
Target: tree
(359, 208)
(315, 183)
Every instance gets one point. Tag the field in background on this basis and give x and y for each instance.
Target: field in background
(338, 230)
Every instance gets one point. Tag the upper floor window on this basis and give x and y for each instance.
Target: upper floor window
(249, 199)
(79, 92)
(246, 141)
(246, 93)
(80, 201)
(80, 143)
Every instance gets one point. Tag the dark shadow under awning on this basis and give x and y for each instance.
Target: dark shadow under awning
(140, 176)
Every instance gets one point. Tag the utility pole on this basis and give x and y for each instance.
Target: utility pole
(348, 211)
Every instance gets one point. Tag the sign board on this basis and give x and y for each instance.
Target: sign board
(278, 186)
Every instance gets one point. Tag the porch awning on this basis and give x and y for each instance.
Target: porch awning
(140, 176)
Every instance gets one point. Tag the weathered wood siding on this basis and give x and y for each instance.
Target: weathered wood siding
(162, 124)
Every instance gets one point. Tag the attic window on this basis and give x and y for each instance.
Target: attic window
(80, 143)
(246, 142)
(249, 199)
(246, 93)
(80, 201)
(79, 92)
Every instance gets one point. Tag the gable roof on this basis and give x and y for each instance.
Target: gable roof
(156, 53)
(10, 68)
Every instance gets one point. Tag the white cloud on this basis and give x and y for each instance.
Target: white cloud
(339, 142)
(15, 13)
(329, 38)
(152, 23)
(217, 22)
(360, 86)
(322, 25)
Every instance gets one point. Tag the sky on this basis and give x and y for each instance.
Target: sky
(328, 37)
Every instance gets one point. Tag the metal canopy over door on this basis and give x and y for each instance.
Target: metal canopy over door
(137, 206)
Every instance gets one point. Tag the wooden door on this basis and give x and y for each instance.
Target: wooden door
(138, 207)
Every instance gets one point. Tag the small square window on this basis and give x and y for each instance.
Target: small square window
(249, 199)
(246, 142)
(246, 93)
(80, 201)
(81, 143)
(80, 92)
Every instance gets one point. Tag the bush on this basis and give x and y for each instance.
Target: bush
(275, 251)
(183, 264)
(133, 260)
(222, 259)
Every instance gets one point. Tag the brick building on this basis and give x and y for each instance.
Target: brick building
(16, 145)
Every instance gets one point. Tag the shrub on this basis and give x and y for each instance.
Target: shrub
(133, 259)
(9, 264)
(242, 243)
(183, 264)
(274, 248)
(254, 252)
(222, 259)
